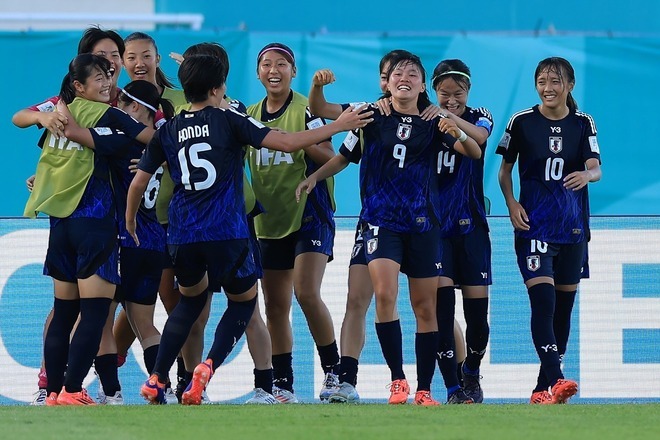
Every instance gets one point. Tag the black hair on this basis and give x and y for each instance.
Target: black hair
(147, 93)
(211, 49)
(454, 69)
(387, 58)
(564, 70)
(94, 34)
(80, 69)
(199, 74)
(402, 58)
(161, 79)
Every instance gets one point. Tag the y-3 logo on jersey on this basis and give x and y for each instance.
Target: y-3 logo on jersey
(555, 129)
(316, 243)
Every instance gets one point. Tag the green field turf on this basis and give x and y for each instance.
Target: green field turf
(363, 422)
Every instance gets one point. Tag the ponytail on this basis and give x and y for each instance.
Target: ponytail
(167, 108)
(67, 92)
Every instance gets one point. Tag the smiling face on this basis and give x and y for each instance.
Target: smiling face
(108, 49)
(141, 60)
(275, 72)
(406, 81)
(96, 87)
(452, 95)
(552, 89)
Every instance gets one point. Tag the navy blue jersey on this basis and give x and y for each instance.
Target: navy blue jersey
(397, 156)
(98, 193)
(150, 231)
(204, 153)
(461, 182)
(547, 151)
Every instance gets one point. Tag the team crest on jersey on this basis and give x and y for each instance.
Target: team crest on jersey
(555, 144)
(403, 131)
(533, 263)
(372, 245)
(356, 250)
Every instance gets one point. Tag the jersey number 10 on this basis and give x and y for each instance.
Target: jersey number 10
(554, 167)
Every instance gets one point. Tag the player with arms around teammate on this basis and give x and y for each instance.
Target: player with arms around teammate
(558, 155)
(208, 236)
(72, 186)
(397, 155)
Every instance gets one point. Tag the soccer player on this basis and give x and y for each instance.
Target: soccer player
(141, 267)
(107, 44)
(208, 235)
(360, 288)
(257, 335)
(72, 186)
(142, 61)
(296, 240)
(465, 246)
(558, 155)
(402, 233)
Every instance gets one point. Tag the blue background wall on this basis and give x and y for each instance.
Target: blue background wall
(615, 83)
(602, 16)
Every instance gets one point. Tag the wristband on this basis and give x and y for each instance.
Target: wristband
(463, 137)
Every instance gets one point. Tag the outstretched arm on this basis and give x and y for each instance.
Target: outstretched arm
(350, 119)
(329, 169)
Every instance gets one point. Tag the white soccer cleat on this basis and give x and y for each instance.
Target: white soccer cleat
(284, 396)
(261, 397)
(329, 387)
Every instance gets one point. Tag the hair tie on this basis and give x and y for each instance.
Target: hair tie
(450, 72)
(139, 101)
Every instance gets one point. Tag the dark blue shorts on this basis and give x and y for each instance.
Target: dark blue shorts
(141, 270)
(280, 253)
(229, 263)
(417, 254)
(81, 247)
(466, 258)
(358, 255)
(565, 263)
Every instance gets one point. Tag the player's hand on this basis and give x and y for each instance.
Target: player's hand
(54, 121)
(30, 183)
(518, 216)
(448, 126)
(323, 77)
(177, 57)
(306, 185)
(384, 106)
(130, 228)
(431, 112)
(133, 166)
(577, 180)
(353, 118)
